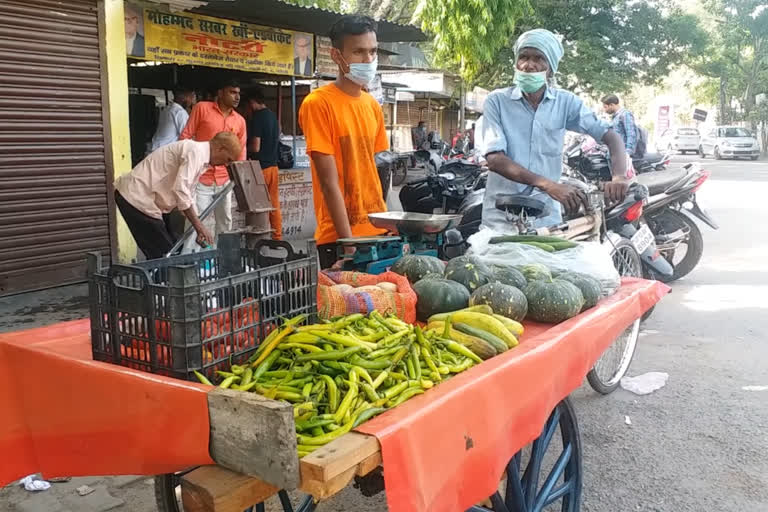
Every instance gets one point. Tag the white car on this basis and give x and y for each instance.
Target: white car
(729, 142)
(679, 139)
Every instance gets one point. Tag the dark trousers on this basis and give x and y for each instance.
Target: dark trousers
(328, 254)
(152, 235)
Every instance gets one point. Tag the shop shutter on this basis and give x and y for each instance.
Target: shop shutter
(53, 186)
(411, 112)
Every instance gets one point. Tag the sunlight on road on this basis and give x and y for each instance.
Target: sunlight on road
(720, 297)
(739, 260)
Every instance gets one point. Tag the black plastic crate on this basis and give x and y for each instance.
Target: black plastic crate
(198, 311)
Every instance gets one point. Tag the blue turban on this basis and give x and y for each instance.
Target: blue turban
(544, 41)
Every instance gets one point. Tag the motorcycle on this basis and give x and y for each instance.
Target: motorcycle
(650, 162)
(668, 214)
(592, 169)
(458, 186)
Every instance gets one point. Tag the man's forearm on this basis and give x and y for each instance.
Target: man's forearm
(192, 217)
(503, 165)
(619, 160)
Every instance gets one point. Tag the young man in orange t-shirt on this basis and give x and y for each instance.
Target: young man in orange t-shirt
(344, 128)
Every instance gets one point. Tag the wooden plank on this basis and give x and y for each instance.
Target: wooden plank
(255, 436)
(216, 489)
(338, 457)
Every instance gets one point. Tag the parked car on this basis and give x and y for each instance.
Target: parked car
(729, 142)
(679, 139)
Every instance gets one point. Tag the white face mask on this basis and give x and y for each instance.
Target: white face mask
(362, 73)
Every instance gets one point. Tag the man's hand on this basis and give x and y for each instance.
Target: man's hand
(616, 190)
(571, 197)
(204, 237)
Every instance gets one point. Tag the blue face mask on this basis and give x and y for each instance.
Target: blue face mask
(530, 82)
(362, 73)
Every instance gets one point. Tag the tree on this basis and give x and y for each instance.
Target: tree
(610, 45)
(738, 56)
(468, 34)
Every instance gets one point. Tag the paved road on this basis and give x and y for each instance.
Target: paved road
(698, 444)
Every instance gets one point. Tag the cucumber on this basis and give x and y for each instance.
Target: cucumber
(496, 342)
(565, 244)
(539, 245)
(525, 238)
(480, 308)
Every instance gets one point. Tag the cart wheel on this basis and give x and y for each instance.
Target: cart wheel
(614, 363)
(168, 497)
(561, 462)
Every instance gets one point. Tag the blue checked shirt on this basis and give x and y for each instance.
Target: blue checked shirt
(624, 125)
(533, 139)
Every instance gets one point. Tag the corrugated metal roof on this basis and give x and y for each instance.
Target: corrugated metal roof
(279, 14)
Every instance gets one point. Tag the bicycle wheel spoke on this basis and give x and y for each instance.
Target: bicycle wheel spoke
(559, 493)
(498, 503)
(553, 477)
(285, 501)
(549, 429)
(514, 495)
(531, 476)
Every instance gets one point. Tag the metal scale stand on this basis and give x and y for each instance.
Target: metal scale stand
(410, 233)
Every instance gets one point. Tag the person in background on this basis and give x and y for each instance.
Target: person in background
(206, 120)
(419, 136)
(166, 180)
(623, 122)
(263, 142)
(302, 64)
(344, 128)
(523, 133)
(471, 137)
(173, 118)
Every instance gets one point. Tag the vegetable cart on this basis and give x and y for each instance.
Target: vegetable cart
(66, 415)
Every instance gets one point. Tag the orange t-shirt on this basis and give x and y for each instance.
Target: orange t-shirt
(205, 121)
(351, 128)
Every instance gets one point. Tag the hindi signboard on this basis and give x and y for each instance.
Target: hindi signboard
(185, 38)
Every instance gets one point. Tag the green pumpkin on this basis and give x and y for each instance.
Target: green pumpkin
(415, 266)
(504, 300)
(432, 275)
(535, 272)
(507, 274)
(439, 296)
(468, 271)
(590, 287)
(553, 301)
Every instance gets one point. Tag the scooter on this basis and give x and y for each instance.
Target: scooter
(668, 213)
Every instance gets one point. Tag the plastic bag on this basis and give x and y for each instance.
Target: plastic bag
(589, 258)
(333, 301)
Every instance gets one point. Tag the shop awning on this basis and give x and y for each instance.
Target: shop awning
(278, 14)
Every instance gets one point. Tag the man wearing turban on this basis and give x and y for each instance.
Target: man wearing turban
(523, 132)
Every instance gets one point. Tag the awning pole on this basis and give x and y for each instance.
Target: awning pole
(293, 112)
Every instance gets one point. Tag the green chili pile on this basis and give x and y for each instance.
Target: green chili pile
(344, 372)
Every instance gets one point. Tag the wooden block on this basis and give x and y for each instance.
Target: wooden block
(216, 489)
(255, 436)
(369, 464)
(338, 456)
(324, 490)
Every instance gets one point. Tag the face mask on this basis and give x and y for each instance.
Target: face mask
(362, 73)
(530, 82)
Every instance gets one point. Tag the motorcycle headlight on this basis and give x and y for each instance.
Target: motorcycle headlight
(726, 144)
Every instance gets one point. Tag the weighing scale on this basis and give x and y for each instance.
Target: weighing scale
(410, 233)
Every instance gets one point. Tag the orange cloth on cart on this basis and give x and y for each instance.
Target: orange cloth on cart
(64, 414)
(449, 446)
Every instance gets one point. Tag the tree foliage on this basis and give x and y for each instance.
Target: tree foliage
(468, 34)
(737, 58)
(610, 45)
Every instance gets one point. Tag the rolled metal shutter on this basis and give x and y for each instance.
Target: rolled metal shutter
(53, 185)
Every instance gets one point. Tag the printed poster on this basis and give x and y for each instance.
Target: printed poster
(190, 39)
